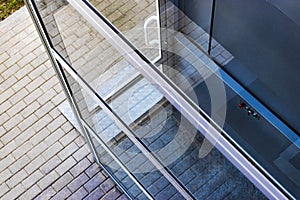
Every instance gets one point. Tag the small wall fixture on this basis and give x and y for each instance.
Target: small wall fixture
(249, 110)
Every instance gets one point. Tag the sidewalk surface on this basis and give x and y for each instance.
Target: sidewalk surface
(41, 154)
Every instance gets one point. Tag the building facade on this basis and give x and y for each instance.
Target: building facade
(182, 99)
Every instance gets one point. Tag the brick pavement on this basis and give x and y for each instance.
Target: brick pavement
(41, 154)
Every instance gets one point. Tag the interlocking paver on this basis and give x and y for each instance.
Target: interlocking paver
(21, 83)
(19, 164)
(3, 189)
(80, 167)
(65, 166)
(14, 192)
(22, 149)
(32, 179)
(67, 151)
(62, 181)
(50, 165)
(30, 193)
(16, 178)
(62, 194)
(79, 194)
(4, 175)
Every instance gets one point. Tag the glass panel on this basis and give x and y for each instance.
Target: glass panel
(105, 129)
(137, 20)
(192, 19)
(200, 78)
(264, 38)
(154, 120)
(176, 143)
(157, 125)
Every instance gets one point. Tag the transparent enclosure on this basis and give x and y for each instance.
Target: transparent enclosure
(143, 137)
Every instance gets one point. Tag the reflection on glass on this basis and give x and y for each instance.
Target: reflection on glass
(137, 20)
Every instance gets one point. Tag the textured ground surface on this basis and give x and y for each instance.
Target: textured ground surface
(41, 154)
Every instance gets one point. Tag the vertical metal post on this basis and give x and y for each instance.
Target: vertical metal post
(212, 17)
(32, 11)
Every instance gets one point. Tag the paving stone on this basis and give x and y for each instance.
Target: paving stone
(112, 194)
(66, 127)
(27, 122)
(16, 108)
(52, 137)
(3, 189)
(46, 108)
(14, 193)
(92, 170)
(22, 74)
(3, 57)
(50, 165)
(38, 71)
(35, 164)
(47, 96)
(24, 136)
(55, 124)
(16, 178)
(42, 123)
(30, 193)
(107, 185)
(54, 113)
(8, 73)
(12, 122)
(46, 194)
(32, 179)
(6, 95)
(96, 194)
(36, 150)
(80, 167)
(48, 180)
(21, 83)
(8, 148)
(30, 109)
(21, 150)
(26, 60)
(39, 136)
(79, 194)
(62, 181)
(4, 118)
(78, 182)
(4, 175)
(52, 150)
(36, 140)
(81, 153)
(33, 96)
(67, 151)
(94, 182)
(62, 194)
(6, 162)
(65, 166)
(19, 96)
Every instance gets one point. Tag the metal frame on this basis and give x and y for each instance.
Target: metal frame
(170, 91)
(126, 129)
